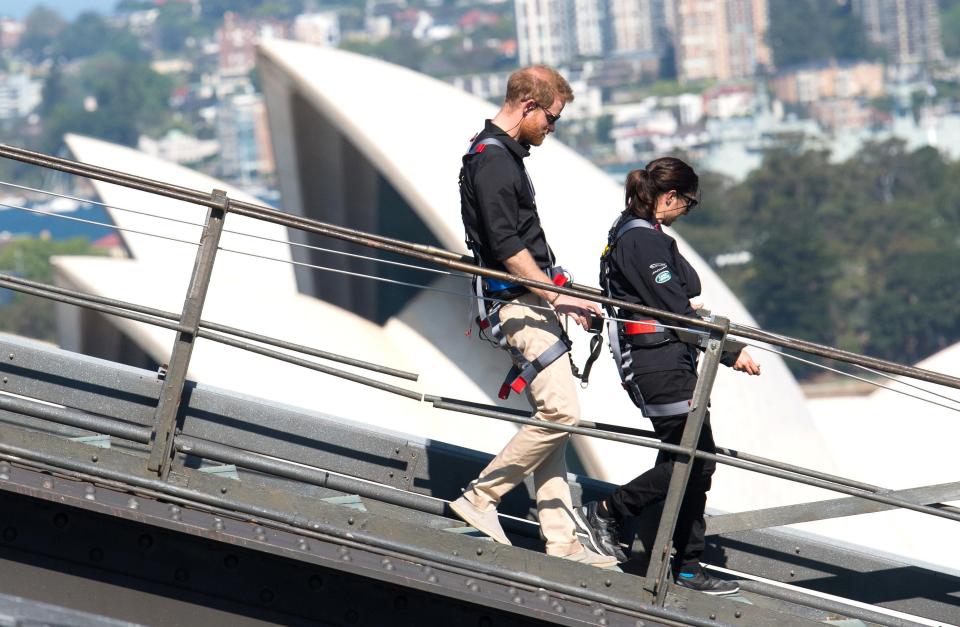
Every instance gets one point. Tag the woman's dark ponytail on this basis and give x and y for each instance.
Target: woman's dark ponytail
(644, 185)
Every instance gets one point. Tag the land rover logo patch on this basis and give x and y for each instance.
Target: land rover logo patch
(663, 277)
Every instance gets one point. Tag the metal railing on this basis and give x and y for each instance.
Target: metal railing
(189, 326)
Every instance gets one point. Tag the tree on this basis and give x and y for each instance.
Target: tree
(89, 35)
(950, 27)
(30, 258)
(806, 31)
(41, 28)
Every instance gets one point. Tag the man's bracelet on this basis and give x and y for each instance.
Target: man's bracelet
(556, 297)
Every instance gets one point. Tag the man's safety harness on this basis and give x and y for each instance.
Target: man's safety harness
(493, 294)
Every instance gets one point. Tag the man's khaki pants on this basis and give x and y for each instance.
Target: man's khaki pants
(539, 450)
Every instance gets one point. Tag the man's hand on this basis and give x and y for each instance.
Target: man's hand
(746, 364)
(577, 308)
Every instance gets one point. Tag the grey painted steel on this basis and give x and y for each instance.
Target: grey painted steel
(48, 291)
(431, 254)
(165, 422)
(359, 532)
(74, 418)
(97, 405)
(19, 286)
(847, 571)
(658, 570)
(17, 611)
(809, 600)
(349, 376)
(822, 510)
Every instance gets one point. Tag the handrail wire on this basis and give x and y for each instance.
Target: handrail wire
(791, 473)
(451, 260)
(37, 289)
(852, 376)
(199, 225)
(430, 288)
(887, 376)
(95, 223)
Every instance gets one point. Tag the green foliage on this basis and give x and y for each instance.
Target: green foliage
(830, 30)
(860, 254)
(90, 34)
(30, 258)
(131, 99)
(950, 27)
(41, 28)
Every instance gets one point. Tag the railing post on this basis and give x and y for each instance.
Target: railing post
(165, 419)
(658, 569)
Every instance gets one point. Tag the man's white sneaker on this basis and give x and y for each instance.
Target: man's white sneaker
(486, 522)
(586, 556)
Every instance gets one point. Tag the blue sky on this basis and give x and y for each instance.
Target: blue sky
(67, 8)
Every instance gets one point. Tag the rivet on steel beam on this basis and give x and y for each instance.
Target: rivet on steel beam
(350, 520)
(133, 503)
(432, 579)
(738, 614)
(47, 484)
(218, 524)
(559, 609)
(607, 583)
(469, 582)
(512, 591)
(223, 490)
(315, 582)
(91, 493)
(344, 550)
(792, 573)
(583, 584)
(304, 546)
(345, 558)
(602, 622)
(4, 379)
(796, 550)
(713, 617)
(518, 600)
(479, 550)
(266, 596)
(10, 355)
(640, 623)
(474, 588)
(94, 459)
(427, 570)
(599, 611)
(542, 595)
(397, 450)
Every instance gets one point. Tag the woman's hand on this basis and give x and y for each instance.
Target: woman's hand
(746, 364)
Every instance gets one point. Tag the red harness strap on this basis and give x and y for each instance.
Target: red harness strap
(641, 327)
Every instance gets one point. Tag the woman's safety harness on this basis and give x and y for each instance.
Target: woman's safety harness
(640, 333)
(493, 294)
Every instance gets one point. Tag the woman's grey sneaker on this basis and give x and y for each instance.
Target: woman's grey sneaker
(486, 522)
(586, 556)
(600, 532)
(700, 581)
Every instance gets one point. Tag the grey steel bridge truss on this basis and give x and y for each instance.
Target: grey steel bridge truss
(142, 496)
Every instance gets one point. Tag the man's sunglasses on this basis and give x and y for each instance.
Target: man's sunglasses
(551, 118)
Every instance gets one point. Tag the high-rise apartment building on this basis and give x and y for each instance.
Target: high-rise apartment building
(546, 32)
(637, 25)
(908, 29)
(718, 39)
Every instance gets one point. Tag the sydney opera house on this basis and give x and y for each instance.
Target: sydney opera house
(372, 146)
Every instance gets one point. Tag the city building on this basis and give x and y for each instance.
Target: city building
(10, 33)
(322, 29)
(19, 95)
(546, 31)
(638, 26)
(244, 138)
(719, 39)
(832, 79)
(908, 29)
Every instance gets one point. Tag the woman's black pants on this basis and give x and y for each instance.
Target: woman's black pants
(651, 488)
